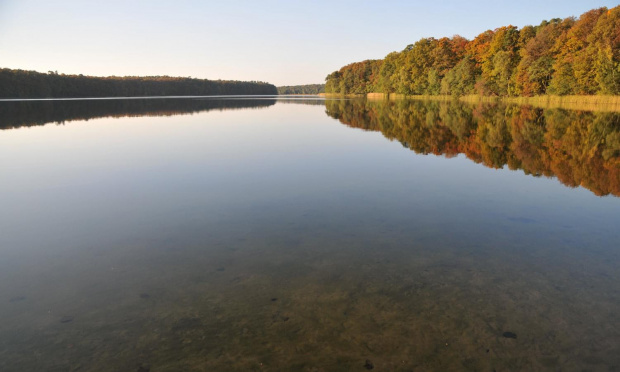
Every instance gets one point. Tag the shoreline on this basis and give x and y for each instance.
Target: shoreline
(580, 103)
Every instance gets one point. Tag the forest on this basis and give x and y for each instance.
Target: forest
(579, 148)
(32, 84)
(559, 57)
(302, 89)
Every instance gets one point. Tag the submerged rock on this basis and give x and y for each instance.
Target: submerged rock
(66, 319)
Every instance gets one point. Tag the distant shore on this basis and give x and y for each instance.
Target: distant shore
(19, 84)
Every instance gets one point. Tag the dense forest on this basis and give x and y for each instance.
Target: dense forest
(15, 114)
(561, 57)
(32, 84)
(579, 148)
(302, 89)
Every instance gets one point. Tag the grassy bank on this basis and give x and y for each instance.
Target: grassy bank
(582, 103)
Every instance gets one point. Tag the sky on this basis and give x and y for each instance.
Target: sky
(284, 42)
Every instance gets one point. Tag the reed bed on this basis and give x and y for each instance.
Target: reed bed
(579, 103)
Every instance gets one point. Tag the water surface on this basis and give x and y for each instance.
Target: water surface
(267, 234)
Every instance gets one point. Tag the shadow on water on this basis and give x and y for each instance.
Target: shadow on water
(579, 148)
(15, 114)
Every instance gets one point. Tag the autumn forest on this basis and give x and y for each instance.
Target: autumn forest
(560, 57)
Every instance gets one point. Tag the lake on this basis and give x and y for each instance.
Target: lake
(304, 234)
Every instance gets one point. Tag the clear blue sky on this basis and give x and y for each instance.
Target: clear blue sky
(284, 42)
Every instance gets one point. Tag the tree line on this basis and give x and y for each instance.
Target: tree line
(580, 148)
(561, 57)
(302, 89)
(32, 84)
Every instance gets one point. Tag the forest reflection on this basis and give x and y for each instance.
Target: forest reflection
(578, 148)
(15, 114)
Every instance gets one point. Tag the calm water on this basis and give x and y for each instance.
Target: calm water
(307, 235)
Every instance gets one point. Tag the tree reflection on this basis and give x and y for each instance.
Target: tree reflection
(579, 148)
(15, 114)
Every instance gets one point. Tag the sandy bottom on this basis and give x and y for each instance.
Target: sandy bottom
(300, 302)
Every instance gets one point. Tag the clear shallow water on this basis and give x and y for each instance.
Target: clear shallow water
(266, 235)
